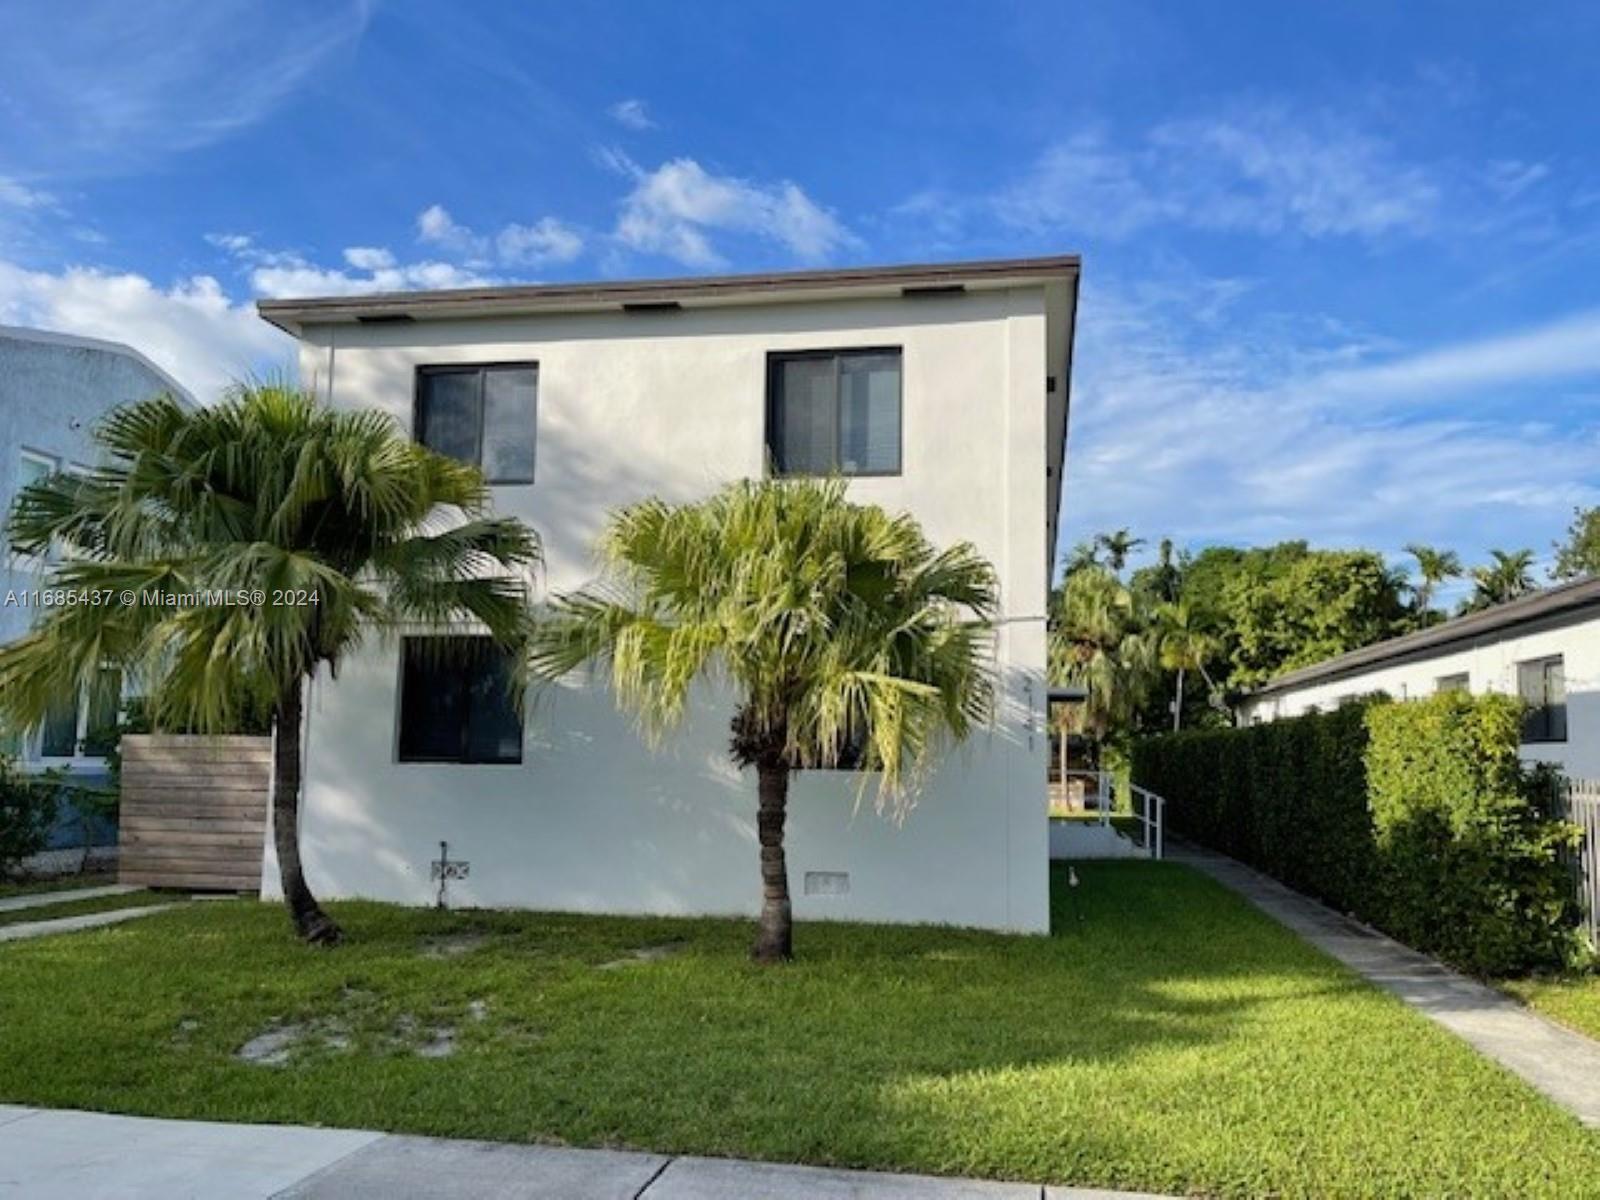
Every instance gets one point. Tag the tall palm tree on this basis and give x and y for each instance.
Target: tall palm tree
(1117, 545)
(270, 491)
(1435, 566)
(1506, 576)
(839, 627)
(1184, 647)
(1097, 642)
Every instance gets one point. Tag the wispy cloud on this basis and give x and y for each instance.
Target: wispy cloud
(1561, 349)
(1266, 172)
(122, 84)
(1249, 431)
(677, 209)
(632, 114)
(191, 327)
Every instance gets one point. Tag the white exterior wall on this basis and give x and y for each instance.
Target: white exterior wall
(632, 405)
(1491, 663)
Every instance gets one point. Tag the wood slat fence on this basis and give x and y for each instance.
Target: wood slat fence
(1581, 806)
(194, 811)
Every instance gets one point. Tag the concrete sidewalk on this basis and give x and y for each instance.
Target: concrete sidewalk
(44, 927)
(69, 896)
(51, 1155)
(1564, 1065)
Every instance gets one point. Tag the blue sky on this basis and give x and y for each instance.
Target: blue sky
(1339, 260)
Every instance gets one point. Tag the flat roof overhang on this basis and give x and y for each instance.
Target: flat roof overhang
(705, 291)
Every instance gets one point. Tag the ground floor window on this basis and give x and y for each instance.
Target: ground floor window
(457, 703)
(1542, 684)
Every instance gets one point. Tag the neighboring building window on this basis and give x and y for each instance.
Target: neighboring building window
(1542, 684)
(32, 468)
(1461, 682)
(456, 703)
(482, 415)
(834, 411)
(58, 738)
(105, 707)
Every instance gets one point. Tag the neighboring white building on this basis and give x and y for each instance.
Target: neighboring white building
(54, 387)
(1544, 647)
(941, 389)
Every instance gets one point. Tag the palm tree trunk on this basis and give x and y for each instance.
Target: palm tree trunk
(310, 922)
(775, 939)
(1177, 705)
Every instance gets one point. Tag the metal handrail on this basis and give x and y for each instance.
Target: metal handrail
(1149, 808)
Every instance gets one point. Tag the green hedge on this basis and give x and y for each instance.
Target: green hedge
(1417, 817)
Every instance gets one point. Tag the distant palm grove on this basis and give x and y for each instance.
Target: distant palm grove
(1171, 644)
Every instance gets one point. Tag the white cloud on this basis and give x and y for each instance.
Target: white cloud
(1265, 172)
(369, 258)
(548, 240)
(307, 279)
(192, 329)
(674, 209)
(633, 114)
(435, 226)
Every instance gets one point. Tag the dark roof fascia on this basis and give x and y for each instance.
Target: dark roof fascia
(1565, 601)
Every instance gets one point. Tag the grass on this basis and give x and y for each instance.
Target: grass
(78, 908)
(58, 883)
(1167, 1037)
(1573, 1000)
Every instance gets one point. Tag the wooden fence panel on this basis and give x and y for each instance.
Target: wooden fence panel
(194, 811)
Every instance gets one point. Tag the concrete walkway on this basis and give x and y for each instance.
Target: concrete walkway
(32, 929)
(1564, 1065)
(48, 1155)
(45, 899)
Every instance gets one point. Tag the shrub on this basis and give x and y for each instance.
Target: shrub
(1416, 817)
(28, 810)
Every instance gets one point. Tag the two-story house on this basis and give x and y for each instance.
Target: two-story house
(938, 390)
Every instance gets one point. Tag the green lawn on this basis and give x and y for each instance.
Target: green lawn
(59, 883)
(1572, 1000)
(1168, 1038)
(77, 908)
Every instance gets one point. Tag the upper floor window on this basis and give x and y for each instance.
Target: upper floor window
(1460, 682)
(485, 415)
(456, 703)
(1542, 684)
(834, 411)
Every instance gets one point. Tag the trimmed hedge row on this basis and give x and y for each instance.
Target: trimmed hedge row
(1416, 817)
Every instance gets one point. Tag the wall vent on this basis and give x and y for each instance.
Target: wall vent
(385, 319)
(651, 306)
(916, 291)
(827, 883)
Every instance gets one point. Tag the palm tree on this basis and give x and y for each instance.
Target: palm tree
(1097, 642)
(1185, 647)
(1435, 567)
(266, 491)
(841, 630)
(1508, 575)
(1117, 546)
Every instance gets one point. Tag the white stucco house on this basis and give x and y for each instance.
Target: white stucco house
(1544, 647)
(939, 390)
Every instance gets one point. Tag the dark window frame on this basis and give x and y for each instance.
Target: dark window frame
(775, 361)
(481, 370)
(463, 758)
(1544, 723)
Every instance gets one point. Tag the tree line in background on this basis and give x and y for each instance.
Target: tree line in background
(1173, 644)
